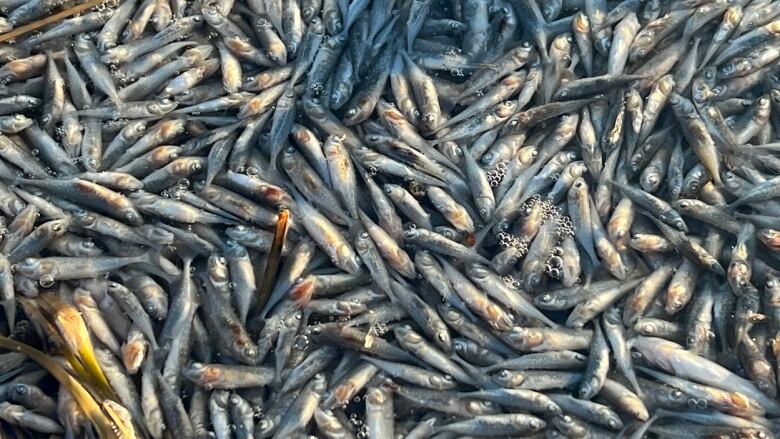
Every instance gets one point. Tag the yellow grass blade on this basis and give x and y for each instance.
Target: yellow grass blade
(105, 426)
(35, 314)
(74, 332)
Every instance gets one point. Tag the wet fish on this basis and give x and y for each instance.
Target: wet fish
(506, 218)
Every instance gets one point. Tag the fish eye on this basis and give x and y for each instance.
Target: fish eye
(652, 179)
(21, 389)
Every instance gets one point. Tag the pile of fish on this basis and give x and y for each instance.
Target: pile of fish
(507, 218)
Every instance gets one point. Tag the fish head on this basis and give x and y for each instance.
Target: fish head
(498, 318)
(350, 308)
(441, 382)
(161, 107)
(547, 300)
(774, 94)
(506, 109)
(588, 386)
(612, 316)
(234, 249)
(580, 23)
(266, 426)
(737, 67)
(246, 350)
(462, 346)
(478, 272)
(739, 273)
(477, 407)
(534, 424)
(527, 337)
(59, 225)
(35, 268)
(448, 232)
(21, 390)
(155, 234)
(131, 216)
(640, 45)
(82, 42)
(347, 258)
(509, 379)
(411, 233)
(613, 421)
(430, 120)
(217, 269)
(507, 258)
(358, 110)
(680, 225)
(15, 123)
(449, 314)
(405, 335)
(213, 15)
(686, 205)
(376, 395)
(84, 218)
(698, 336)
